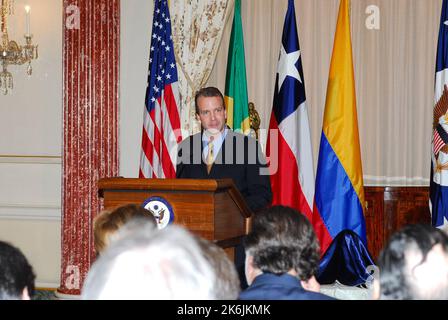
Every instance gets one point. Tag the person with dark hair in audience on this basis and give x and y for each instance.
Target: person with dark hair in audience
(16, 274)
(107, 223)
(282, 256)
(413, 265)
(150, 264)
(227, 283)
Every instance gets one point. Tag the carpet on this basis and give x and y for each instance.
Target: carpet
(44, 294)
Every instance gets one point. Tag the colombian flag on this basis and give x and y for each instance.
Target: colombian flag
(339, 195)
(235, 94)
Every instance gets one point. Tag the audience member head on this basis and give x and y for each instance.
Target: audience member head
(414, 265)
(151, 264)
(227, 283)
(282, 240)
(16, 274)
(107, 223)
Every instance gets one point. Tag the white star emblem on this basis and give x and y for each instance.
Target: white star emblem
(286, 66)
(168, 76)
(445, 23)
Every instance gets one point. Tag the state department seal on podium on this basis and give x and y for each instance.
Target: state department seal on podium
(161, 210)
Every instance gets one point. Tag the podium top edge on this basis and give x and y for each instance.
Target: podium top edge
(165, 184)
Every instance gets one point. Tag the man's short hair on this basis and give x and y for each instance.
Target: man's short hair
(208, 92)
(407, 249)
(16, 273)
(282, 239)
(151, 264)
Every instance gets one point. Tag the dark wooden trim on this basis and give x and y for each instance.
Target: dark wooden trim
(388, 209)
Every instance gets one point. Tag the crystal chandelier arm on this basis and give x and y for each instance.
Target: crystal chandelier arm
(11, 53)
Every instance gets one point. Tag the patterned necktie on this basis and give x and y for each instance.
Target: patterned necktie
(209, 160)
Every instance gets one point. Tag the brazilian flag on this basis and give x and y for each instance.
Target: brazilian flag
(236, 85)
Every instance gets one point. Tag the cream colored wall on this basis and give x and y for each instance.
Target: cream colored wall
(136, 18)
(39, 240)
(30, 147)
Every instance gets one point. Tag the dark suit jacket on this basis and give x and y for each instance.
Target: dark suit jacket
(268, 286)
(240, 159)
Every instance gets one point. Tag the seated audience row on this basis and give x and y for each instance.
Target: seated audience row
(282, 256)
(138, 261)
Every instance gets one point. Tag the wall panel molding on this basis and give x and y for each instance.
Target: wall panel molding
(33, 159)
(46, 285)
(30, 211)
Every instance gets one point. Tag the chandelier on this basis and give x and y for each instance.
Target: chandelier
(11, 53)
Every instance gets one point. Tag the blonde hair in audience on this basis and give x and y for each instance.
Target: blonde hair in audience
(106, 224)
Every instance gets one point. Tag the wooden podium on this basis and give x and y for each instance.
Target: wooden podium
(212, 209)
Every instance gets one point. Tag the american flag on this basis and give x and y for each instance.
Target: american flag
(161, 124)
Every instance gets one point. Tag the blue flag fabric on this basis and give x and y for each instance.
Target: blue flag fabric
(346, 260)
(439, 150)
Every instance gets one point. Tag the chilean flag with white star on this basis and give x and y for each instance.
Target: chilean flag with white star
(288, 149)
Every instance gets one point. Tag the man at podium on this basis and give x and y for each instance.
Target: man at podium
(218, 152)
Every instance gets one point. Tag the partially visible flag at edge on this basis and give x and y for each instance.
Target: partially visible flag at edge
(161, 123)
(292, 177)
(235, 94)
(439, 147)
(339, 196)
